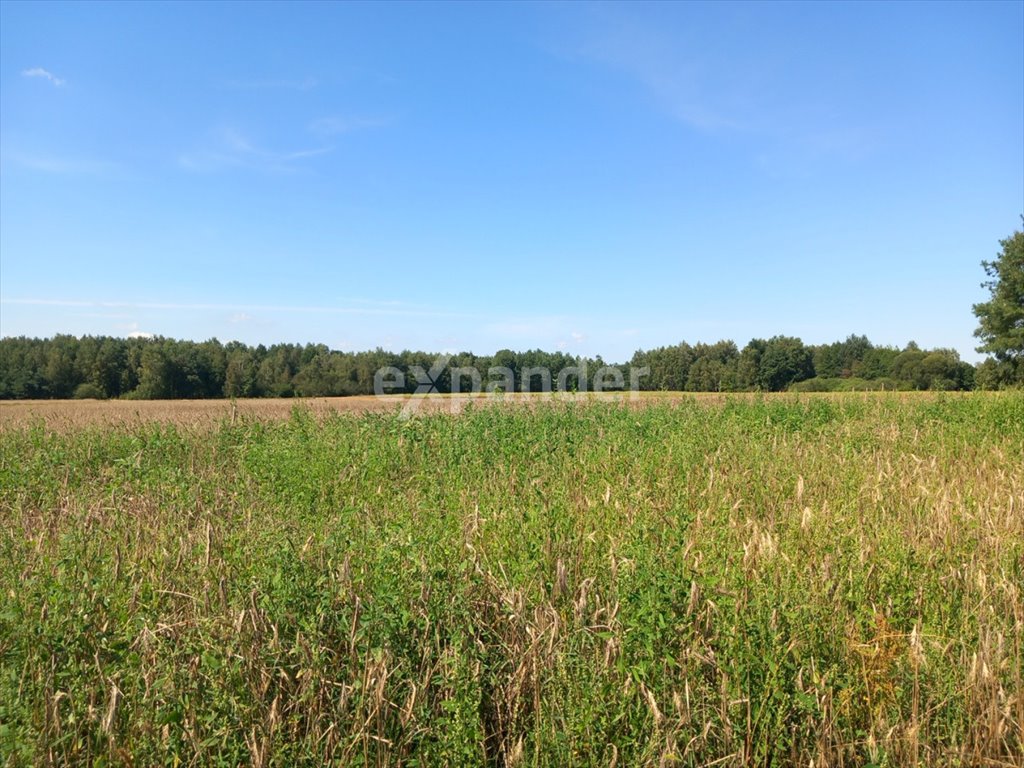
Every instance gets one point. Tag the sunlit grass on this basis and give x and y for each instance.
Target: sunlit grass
(725, 580)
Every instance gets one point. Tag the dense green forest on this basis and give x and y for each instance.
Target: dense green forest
(108, 367)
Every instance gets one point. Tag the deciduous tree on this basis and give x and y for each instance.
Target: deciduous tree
(1001, 318)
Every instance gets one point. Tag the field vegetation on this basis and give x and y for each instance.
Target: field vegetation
(827, 580)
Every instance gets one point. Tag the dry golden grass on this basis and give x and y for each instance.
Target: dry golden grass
(826, 580)
(73, 414)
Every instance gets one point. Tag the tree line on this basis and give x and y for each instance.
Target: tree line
(107, 367)
(162, 368)
(786, 363)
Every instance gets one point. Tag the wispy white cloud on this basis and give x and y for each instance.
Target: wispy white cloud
(231, 149)
(804, 152)
(47, 163)
(45, 74)
(576, 338)
(396, 304)
(239, 309)
(273, 83)
(677, 81)
(788, 132)
(526, 328)
(332, 126)
(132, 331)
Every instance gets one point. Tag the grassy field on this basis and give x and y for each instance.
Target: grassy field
(826, 581)
(73, 414)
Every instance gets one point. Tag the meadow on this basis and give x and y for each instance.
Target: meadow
(826, 580)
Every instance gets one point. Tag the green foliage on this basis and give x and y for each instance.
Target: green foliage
(844, 359)
(766, 581)
(89, 391)
(1001, 318)
(714, 368)
(783, 361)
(995, 374)
(165, 368)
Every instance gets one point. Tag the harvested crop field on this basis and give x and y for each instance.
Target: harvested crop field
(187, 413)
(207, 413)
(731, 581)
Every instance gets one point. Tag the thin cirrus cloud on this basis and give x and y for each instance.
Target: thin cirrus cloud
(790, 135)
(816, 145)
(54, 164)
(242, 311)
(45, 74)
(273, 83)
(677, 81)
(230, 149)
(333, 126)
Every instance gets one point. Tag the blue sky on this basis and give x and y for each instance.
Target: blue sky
(591, 178)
